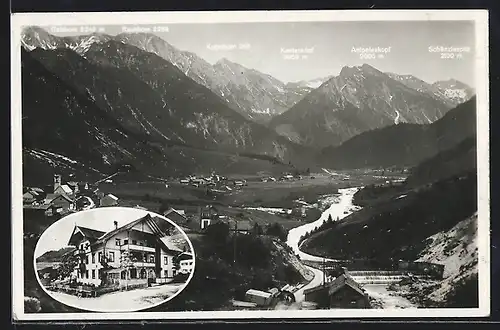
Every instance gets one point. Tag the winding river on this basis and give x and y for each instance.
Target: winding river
(341, 208)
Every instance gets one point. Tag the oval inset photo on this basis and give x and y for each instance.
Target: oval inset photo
(114, 259)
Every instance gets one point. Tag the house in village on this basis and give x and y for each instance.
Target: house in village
(186, 263)
(260, 298)
(108, 200)
(48, 210)
(342, 292)
(239, 226)
(134, 255)
(33, 196)
(60, 203)
(208, 216)
(178, 217)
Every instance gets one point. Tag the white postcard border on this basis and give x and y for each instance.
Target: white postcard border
(480, 17)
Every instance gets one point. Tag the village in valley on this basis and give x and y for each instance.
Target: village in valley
(217, 208)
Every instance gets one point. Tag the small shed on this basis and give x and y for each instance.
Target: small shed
(108, 200)
(261, 298)
(343, 292)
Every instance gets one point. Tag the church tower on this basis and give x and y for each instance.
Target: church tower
(57, 181)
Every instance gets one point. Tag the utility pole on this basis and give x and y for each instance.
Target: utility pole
(324, 270)
(234, 240)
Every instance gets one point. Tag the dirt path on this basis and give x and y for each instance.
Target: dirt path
(122, 301)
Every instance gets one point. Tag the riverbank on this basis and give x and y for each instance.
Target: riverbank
(341, 206)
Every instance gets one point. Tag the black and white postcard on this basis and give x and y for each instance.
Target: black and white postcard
(240, 165)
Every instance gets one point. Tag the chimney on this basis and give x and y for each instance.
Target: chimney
(116, 224)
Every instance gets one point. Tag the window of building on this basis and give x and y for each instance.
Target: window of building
(118, 242)
(125, 241)
(151, 258)
(99, 257)
(86, 274)
(87, 260)
(111, 257)
(166, 273)
(205, 223)
(93, 258)
(165, 260)
(134, 242)
(93, 274)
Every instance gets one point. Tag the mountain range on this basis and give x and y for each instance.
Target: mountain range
(404, 144)
(122, 104)
(135, 98)
(360, 99)
(253, 94)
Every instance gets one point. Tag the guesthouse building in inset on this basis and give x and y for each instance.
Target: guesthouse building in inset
(134, 255)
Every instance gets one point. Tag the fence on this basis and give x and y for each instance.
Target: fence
(163, 280)
(79, 291)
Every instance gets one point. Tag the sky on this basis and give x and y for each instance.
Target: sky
(328, 46)
(58, 234)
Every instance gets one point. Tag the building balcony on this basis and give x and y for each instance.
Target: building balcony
(143, 264)
(134, 247)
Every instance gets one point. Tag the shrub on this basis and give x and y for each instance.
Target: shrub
(276, 230)
(32, 305)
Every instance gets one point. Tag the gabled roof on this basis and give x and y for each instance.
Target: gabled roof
(337, 284)
(343, 280)
(185, 256)
(51, 197)
(175, 216)
(38, 207)
(169, 245)
(91, 234)
(66, 189)
(112, 233)
(172, 210)
(111, 196)
(259, 293)
(151, 223)
(29, 193)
